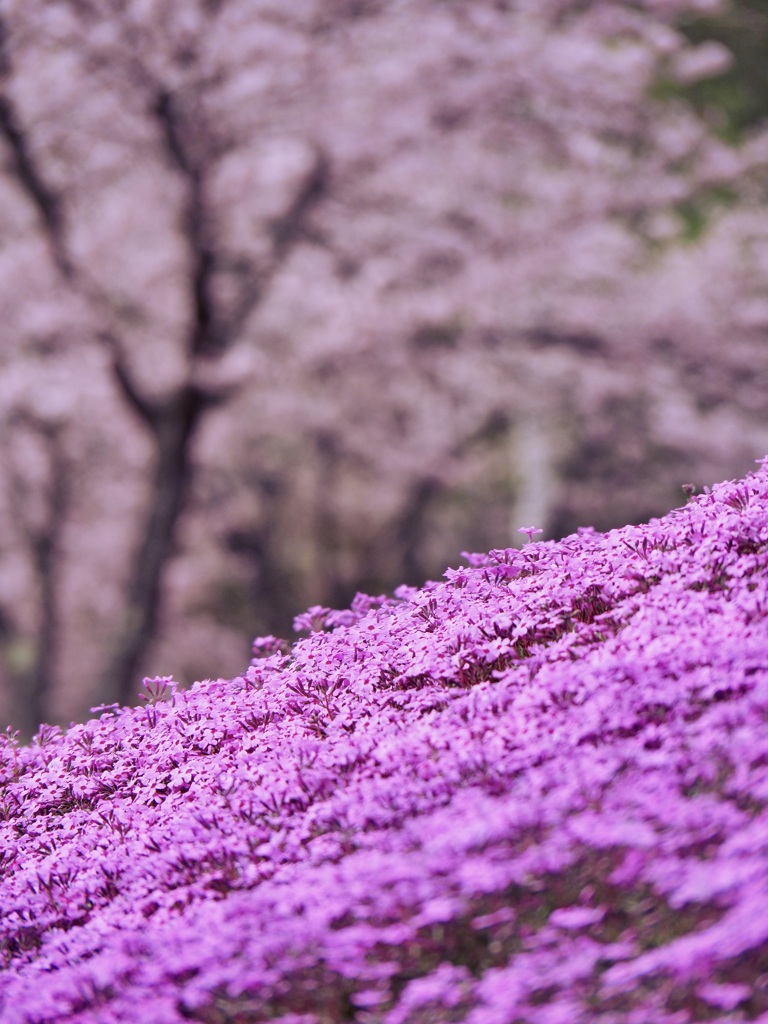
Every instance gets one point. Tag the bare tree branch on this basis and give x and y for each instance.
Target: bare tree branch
(44, 199)
(147, 410)
(289, 228)
(205, 339)
(25, 168)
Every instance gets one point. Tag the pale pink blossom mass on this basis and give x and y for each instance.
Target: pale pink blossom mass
(299, 299)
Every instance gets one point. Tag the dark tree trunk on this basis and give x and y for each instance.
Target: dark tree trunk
(33, 686)
(192, 151)
(174, 427)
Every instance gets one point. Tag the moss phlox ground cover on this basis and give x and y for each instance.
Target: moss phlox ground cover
(535, 791)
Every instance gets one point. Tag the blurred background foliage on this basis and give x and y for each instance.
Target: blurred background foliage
(300, 302)
(735, 102)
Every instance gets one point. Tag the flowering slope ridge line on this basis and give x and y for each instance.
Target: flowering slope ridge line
(535, 791)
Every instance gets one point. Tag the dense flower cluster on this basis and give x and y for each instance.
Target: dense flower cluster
(536, 791)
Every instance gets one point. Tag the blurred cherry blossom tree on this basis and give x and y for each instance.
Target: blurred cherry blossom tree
(300, 299)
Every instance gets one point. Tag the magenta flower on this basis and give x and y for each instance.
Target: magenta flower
(529, 531)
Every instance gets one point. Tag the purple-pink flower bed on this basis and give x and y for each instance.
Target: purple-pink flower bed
(534, 792)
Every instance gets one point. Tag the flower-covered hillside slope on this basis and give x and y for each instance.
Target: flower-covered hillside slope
(534, 792)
